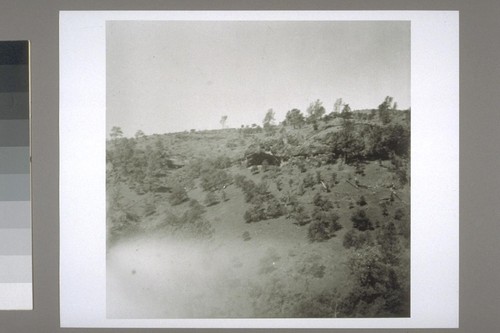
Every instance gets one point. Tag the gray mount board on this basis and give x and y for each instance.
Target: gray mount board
(480, 188)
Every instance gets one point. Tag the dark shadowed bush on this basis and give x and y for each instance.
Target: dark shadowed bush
(324, 225)
(214, 179)
(361, 221)
(255, 213)
(274, 208)
(361, 201)
(356, 239)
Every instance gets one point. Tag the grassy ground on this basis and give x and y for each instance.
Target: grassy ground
(260, 269)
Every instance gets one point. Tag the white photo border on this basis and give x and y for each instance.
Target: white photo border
(435, 168)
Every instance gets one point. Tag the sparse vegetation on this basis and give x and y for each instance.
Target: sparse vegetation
(330, 192)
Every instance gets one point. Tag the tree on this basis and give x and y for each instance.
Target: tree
(295, 118)
(338, 104)
(389, 244)
(116, 132)
(315, 111)
(223, 121)
(268, 121)
(139, 134)
(346, 112)
(347, 143)
(357, 239)
(376, 289)
(360, 221)
(384, 110)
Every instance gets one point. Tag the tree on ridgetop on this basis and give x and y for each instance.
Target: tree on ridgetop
(116, 132)
(268, 121)
(346, 112)
(315, 111)
(223, 121)
(384, 110)
(139, 134)
(337, 105)
(295, 118)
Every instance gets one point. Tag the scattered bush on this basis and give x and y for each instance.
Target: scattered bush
(318, 231)
(324, 225)
(274, 208)
(178, 195)
(211, 199)
(246, 236)
(361, 201)
(360, 221)
(255, 213)
(214, 179)
(356, 239)
(308, 180)
(300, 216)
(383, 206)
(190, 224)
(399, 214)
(321, 202)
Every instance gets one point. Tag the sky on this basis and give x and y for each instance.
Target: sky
(171, 76)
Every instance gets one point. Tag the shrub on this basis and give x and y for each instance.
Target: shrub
(255, 213)
(190, 224)
(255, 193)
(399, 214)
(318, 231)
(308, 180)
(246, 236)
(149, 206)
(356, 239)
(239, 180)
(360, 221)
(214, 179)
(318, 176)
(324, 225)
(360, 169)
(321, 202)
(221, 162)
(196, 209)
(383, 206)
(178, 195)
(121, 222)
(361, 201)
(265, 165)
(300, 216)
(274, 208)
(211, 199)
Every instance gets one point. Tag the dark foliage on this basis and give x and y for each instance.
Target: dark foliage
(361, 221)
(178, 195)
(323, 226)
(356, 239)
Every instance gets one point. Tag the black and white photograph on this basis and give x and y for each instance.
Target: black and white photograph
(258, 169)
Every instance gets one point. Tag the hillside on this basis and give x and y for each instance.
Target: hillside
(307, 218)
